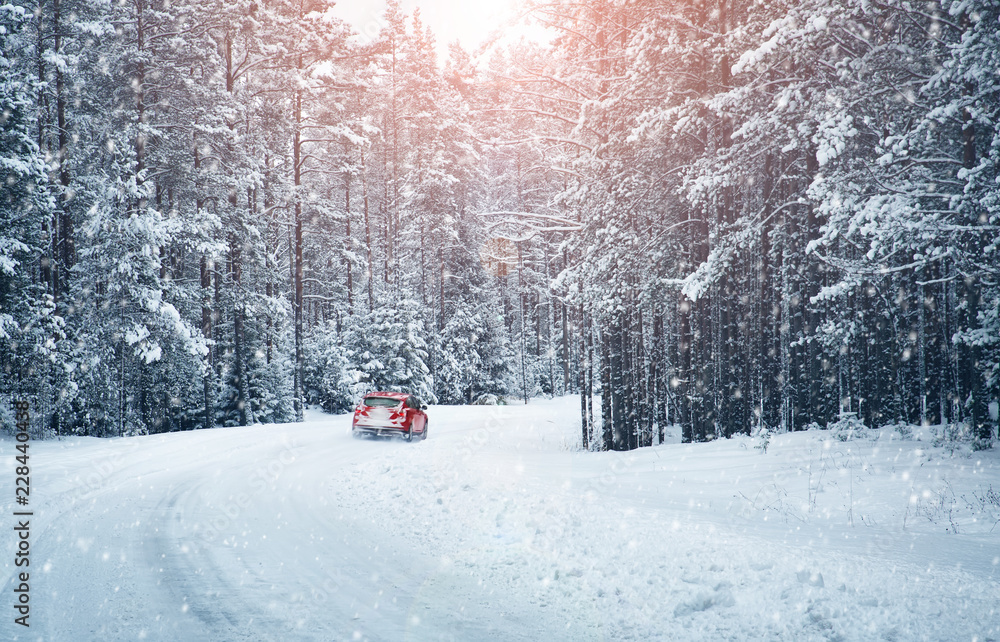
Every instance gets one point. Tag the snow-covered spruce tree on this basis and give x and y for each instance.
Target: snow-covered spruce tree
(134, 337)
(441, 181)
(526, 105)
(252, 68)
(847, 161)
(31, 331)
(469, 357)
(474, 351)
(386, 350)
(747, 186)
(510, 176)
(330, 380)
(967, 88)
(54, 52)
(909, 231)
(586, 97)
(318, 39)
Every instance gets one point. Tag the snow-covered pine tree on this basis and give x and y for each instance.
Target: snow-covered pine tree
(386, 349)
(330, 380)
(927, 233)
(35, 368)
(474, 351)
(135, 340)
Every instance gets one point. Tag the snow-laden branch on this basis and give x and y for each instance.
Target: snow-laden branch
(528, 225)
(533, 139)
(540, 77)
(534, 215)
(538, 112)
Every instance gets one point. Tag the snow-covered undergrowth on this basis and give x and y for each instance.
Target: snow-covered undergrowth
(498, 527)
(815, 538)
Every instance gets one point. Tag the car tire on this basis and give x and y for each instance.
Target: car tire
(408, 435)
(423, 435)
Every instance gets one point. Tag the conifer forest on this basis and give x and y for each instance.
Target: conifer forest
(730, 216)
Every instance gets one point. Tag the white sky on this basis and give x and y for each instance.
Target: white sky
(469, 21)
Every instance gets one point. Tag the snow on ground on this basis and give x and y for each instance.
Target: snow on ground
(498, 528)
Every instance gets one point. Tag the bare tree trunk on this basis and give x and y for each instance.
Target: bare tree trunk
(658, 377)
(206, 331)
(299, 400)
(607, 419)
(589, 392)
(368, 232)
(67, 250)
(970, 291)
(581, 384)
(239, 356)
(270, 269)
(348, 242)
(618, 413)
(520, 299)
(565, 337)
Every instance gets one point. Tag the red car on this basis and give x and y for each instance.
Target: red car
(390, 413)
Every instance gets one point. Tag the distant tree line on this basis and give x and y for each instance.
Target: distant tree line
(723, 215)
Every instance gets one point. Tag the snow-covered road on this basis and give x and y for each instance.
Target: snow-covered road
(497, 528)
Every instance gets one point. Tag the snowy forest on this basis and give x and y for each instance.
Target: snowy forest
(723, 215)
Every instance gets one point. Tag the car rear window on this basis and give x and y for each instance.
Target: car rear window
(381, 402)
